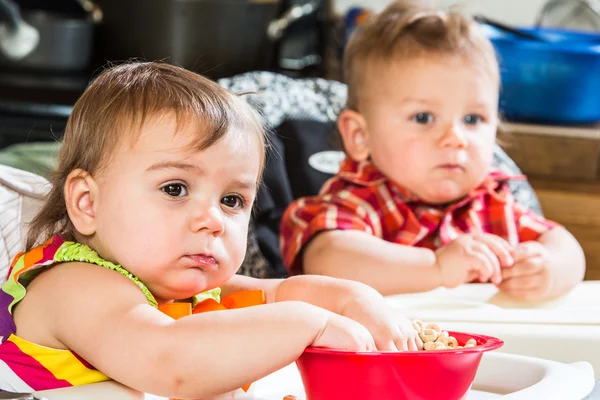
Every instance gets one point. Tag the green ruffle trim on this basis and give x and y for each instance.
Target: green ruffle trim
(71, 251)
(214, 294)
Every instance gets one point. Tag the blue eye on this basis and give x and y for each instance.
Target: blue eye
(233, 201)
(472, 119)
(423, 118)
(174, 189)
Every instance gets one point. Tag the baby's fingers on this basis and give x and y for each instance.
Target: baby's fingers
(500, 247)
(529, 267)
(415, 344)
(408, 338)
(486, 263)
(398, 342)
(389, 346)
(402, 343)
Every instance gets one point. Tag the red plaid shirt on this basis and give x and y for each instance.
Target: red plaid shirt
(360, 197)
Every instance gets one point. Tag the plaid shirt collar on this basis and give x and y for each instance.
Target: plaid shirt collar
(365, 174)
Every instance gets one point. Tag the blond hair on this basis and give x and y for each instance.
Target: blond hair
(407, 30)
(116, 105)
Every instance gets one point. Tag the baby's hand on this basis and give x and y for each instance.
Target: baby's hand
(529, 277)
(344, 334)
(473, 256)
(390, 331)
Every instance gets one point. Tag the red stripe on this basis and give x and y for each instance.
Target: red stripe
(29, 369)
(50, 248)
(85, 363)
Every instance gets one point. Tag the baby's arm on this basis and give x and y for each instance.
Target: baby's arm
(335, 236)
(566, 261)
(388, 267)
(392, 268)
(322, 291)
(101, 316)
(355, 300)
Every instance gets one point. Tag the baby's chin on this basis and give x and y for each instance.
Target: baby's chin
(179, 288)
(446, 192)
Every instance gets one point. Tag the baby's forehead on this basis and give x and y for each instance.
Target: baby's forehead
(184, 137)
(161, 130)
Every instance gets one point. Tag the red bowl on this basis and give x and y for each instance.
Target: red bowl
(412, 375)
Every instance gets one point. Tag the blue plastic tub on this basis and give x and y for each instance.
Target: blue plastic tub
(556, 82)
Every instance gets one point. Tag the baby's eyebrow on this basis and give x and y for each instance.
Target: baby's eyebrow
(481, 104)
(408, 100)
(244, 184)
(174, 165)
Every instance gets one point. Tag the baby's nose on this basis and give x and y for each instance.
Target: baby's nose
(453, 136)
(208, 219)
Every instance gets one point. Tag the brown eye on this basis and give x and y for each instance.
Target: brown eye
(233, 201)
(174, 189)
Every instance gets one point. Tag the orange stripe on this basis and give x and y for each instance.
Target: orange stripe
(33, 256)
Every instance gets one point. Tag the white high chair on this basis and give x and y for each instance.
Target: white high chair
(21, 195)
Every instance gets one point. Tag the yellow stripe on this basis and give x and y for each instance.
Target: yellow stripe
(61, 363)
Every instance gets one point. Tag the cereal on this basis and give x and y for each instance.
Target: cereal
(428, 335)
(434, 338)
(443, 338)
(428, 345)
(435, 327)
(452, 342)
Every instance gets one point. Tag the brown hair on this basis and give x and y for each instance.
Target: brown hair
(116, 105)
(407, 30)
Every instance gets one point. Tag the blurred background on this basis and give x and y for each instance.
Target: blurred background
(549, 52)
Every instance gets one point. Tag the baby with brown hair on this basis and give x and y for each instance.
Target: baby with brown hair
(148, 217)
(416, 204)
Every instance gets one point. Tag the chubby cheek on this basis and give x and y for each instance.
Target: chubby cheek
(480, 157)
(140, 238)
(235, 242)
(410, 157)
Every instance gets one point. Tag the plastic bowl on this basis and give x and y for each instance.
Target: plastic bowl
(553, 81)
(416, 375)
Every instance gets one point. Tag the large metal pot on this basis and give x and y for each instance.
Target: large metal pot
(214, 37)
(65, 40)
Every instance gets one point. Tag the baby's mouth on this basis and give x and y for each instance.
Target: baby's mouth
(204, 261)
(452, 167)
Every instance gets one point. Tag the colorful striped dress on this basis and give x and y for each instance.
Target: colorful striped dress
(26, 366)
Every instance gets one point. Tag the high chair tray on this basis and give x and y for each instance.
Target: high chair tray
(562, 329)
(500, 375)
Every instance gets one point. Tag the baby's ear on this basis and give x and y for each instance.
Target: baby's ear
(353, 129)
(80, 191)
